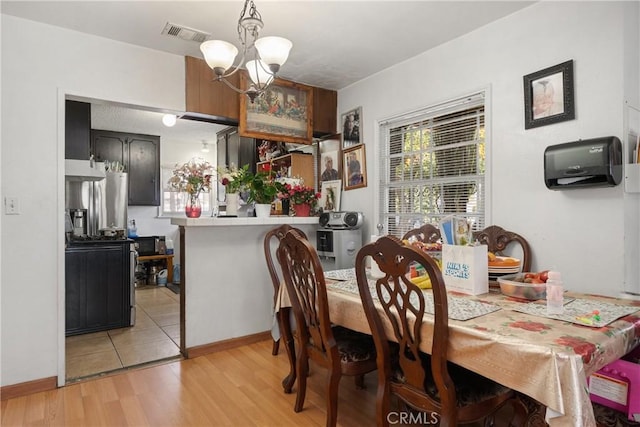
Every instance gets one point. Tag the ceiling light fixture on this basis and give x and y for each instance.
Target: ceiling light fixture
(169, 120)
(205, 147)
(269, 53)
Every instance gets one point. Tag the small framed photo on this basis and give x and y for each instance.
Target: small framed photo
(330, 195)
(548, 96)
(351, 128)
(354, 166)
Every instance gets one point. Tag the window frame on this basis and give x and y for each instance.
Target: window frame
(207, 199)
(398, 224)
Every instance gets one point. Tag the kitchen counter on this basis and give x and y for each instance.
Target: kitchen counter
(272, 220)
(226, 290)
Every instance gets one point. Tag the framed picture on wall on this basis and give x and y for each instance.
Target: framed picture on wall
(548, 96)
(355, 169)
(329, 160)
(351, 127)
(330, 195)
(282, 114)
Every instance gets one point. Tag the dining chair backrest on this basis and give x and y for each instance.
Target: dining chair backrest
(271, 243)
(343, 352)
(400, 320)
(497, 239)
(428, 233)
(275, 236)
(304, 278)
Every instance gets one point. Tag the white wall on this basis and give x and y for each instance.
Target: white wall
(578, 232)
(40, 64)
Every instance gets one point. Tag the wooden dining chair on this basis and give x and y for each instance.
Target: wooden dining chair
(427, 383)
(497, 239)
(428, 233)
(271, 243)
(340, 350)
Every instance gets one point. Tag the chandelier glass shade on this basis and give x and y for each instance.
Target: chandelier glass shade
(264, 55)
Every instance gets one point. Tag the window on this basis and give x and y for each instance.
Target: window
(432, 164)
(173, 202)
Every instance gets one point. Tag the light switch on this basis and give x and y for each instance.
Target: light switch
(11, 206)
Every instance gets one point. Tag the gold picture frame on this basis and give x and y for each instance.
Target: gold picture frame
(283, 113)
(354, 167)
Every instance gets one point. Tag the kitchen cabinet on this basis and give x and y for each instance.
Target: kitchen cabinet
(293, 165)
(207, 96)
(77, 130)
(236, 150)
(140, 154)
(212, 100)
(98, 285)
(325, 107)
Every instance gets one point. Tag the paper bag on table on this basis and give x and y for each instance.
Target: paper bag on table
(465, 269)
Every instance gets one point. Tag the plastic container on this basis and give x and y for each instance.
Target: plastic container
(555, 293)
(513, 285)
(169, 245)
(176, 274)
(162, 278)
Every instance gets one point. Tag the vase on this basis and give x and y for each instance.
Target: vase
(302, 209)
(263, 210)
(232, 204)
(193, 209)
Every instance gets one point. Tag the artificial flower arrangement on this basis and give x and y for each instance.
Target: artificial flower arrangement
(300, 194)
(192, 177)
(234, 179)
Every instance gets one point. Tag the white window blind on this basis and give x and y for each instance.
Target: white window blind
(432, 164)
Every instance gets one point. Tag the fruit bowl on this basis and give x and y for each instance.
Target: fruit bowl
(513, 285)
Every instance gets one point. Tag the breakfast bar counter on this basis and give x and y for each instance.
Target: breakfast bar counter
(226, 291)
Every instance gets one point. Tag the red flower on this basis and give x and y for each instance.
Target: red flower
(225, 181)
(579, 345)
(530, 326)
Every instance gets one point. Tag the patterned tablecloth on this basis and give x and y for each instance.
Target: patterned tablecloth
(545, 358)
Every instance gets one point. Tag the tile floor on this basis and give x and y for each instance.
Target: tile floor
(155, 336)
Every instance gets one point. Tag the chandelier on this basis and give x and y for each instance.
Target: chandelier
(264, 55)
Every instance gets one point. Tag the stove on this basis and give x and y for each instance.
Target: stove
(76, 241)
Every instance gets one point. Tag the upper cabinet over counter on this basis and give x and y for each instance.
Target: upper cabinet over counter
(208, 99)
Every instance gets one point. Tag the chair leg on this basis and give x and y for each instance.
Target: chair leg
(276, 347)
(333, 382)
(303, 371)
(289, 346)
(522, 415)
(359, 382)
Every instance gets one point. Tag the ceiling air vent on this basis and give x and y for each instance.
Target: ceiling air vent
(185, 33)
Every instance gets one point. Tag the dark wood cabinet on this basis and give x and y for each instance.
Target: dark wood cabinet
(325, 107)
(98, 285)
(77, 130)
(140, 154)
(144, 170)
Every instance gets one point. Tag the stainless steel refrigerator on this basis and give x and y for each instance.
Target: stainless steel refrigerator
(104, 201)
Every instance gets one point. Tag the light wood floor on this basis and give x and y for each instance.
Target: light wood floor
(237, 387)
(155, 336)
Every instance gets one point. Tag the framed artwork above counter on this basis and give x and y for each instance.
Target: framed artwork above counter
(283, 113)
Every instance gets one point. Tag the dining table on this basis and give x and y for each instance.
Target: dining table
(545, 358)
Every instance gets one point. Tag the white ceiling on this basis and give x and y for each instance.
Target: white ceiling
(335, 43)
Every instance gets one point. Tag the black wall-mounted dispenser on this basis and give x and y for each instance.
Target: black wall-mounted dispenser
(585, 163)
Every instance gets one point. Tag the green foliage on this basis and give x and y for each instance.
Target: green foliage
(262, 189)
